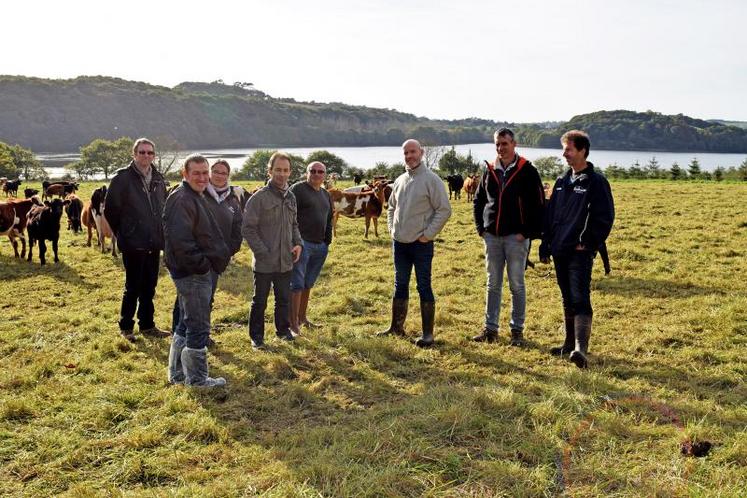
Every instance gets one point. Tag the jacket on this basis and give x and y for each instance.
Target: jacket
(134, 212)
(580, 212)
(418, 205)
(510, 202)
(194, 241)
(226, 210)
(270, 228)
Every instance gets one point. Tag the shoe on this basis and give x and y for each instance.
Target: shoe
(258, 346)
(399, 315)
(128, 334)
(427, 317)
(583, 332)
(570, 335)
(155, 332)
(286, 337)
(487, 335)
(195, 366)
(517, 338)
(176, 371)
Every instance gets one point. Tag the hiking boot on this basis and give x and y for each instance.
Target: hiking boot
(570, 335)
(155, 332)
(583, 331)
(399, 315)
(128, 334)
(517, 338)
(427, 316)
(176, 371)
(195, 365)
(487, 335)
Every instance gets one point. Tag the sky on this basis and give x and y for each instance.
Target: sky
(514, 60)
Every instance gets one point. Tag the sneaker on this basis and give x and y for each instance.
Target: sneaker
(258, 346)
(155, 332)
(128, 334)
(286, 337)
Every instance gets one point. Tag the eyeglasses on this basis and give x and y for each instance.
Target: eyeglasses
(146, 152)
(317, 171)
(220, 173)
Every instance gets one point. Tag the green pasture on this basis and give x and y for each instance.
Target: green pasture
(340, 412)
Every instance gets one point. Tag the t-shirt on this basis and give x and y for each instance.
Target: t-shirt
(314, 213)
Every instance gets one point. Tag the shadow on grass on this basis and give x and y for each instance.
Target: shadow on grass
(12, 268)
(238, 279)
(660, 289)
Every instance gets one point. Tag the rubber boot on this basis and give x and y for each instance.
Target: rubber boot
(427, 316)
(399, 315)
(486, 335)
(194, 362)
(176, 372)
(583, 331)
(570, 335)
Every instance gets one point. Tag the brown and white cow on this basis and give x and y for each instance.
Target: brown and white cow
(367, 204)
(470, 186)
(102, 226)
(13, 219)
(86, 219)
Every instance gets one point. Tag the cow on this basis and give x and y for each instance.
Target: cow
(357, 205)
(103, 230)
(11, 187)
(455, 183)
(470, 186)
(331, 181)
(74, 210)
(13, 218)
(28, 193)
(357, 179)
(86, 218)
(60, 189)
(43, 223)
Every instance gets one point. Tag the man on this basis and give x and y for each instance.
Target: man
(418, 210)
(195, 251)
(508, 214)
(577, 222)
(133, 208)
(271, 230)
(314, 213)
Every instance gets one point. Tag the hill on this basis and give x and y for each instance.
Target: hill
(629, 130)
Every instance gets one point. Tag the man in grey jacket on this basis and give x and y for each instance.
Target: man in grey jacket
(418, 210)
(271, 230)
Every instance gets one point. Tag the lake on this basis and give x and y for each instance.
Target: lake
(367, 157)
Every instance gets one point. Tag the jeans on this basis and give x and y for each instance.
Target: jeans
(177, 315)
(141, 278)
(573, 272)
(508, 252)
(194, 293)
(308, 267)
(280, 283)
(407, 255)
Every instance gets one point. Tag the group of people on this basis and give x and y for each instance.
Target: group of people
(200, 225)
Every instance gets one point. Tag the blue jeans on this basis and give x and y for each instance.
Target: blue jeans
(308, 267)
(510, 253)
(573, 272)
(407, 255)
(194, 294)
(280, 283)
(177, 316)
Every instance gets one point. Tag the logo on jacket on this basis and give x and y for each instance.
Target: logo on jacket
(579, 189)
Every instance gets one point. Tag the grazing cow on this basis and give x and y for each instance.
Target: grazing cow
(11, 187)
(44, 224)
(13, 218)
(470, 186)
(29, 193)
(74, 210)
(357, 179)
(86, 217)
(59, 189)
(455, 182)
(357, 205)
(102, 226)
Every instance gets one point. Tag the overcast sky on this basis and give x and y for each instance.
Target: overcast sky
(512, 60)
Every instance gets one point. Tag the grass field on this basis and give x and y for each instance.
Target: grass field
(343, 413)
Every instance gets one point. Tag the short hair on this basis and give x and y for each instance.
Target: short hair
(221, 162)
(278, 155)
(579, 138)
(193, 158)
(504, 132)
(140, 141)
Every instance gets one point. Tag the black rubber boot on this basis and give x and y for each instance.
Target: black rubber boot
(486, 335)
(427, 316)
(570, 335)
(399, 315)
(583, 331)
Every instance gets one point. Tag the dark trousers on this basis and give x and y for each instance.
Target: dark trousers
(573, 272)
(280, 283)
(141, 278)
(406, 256)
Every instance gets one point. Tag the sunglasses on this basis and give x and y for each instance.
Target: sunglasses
(146, 152)
(317, 171)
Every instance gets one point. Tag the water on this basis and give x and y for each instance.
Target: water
(367, 157)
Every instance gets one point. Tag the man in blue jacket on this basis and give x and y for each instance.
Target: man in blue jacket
(577, 221)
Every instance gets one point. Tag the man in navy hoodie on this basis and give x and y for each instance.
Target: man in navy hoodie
(577, 221)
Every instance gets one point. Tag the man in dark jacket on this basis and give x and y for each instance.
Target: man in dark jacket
(133, 208)
(578, 220)
(508, 214)
(195, 249)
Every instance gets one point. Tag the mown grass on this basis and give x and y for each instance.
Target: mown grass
(342, 413)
